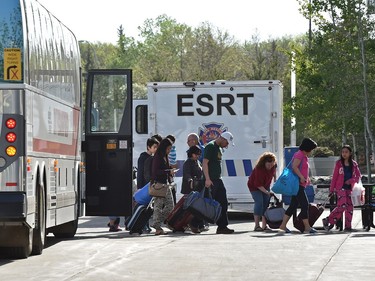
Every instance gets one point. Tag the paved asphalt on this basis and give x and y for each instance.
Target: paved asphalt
(96, 254)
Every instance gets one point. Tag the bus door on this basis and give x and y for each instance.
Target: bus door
(107, 143)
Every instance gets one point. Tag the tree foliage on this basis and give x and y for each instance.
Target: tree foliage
(329, 104)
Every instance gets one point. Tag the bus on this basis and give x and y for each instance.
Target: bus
(44, 185)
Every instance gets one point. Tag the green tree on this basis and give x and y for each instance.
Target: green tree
(334, 72)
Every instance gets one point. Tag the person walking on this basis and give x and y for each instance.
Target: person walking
(193, 139)
(192, 179)
(161, 172)
(151, 146)
(213, 152)
(259, 185)
(300, 166)
(345, 174)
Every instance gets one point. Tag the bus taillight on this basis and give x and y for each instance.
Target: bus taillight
(11, 137)
(11, 151)
(11, 123)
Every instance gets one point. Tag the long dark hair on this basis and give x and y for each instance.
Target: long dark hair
(162, 148)
(350, 157)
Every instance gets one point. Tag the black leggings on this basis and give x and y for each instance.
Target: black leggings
(301, 200)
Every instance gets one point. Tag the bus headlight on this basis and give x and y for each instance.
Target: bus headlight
(11, 151)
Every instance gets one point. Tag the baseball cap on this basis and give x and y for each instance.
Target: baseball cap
(228, 136)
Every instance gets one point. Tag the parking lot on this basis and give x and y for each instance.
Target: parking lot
(96, 254)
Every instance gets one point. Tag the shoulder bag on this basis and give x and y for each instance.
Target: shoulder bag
(158, 189)
(287, 183)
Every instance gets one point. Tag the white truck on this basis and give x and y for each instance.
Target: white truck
(250, 110)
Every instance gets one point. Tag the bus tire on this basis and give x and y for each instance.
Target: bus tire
(66, 230)
(39, 233)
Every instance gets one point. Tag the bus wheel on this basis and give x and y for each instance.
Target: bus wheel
(39, 236)
(66, 230)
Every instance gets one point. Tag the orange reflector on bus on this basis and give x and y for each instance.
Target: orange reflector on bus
(11, 150)
(11, 137)
(10, 123)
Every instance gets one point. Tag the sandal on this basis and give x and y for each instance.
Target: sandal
(258, 228)
(266, 229)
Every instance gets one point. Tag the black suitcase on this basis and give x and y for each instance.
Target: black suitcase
(139, 219)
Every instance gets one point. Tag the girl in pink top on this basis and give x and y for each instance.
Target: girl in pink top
(300, 166)
(345, 175)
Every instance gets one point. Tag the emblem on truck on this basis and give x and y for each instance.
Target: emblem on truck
(210, 131)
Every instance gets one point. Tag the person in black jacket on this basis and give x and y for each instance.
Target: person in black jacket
(152, 144)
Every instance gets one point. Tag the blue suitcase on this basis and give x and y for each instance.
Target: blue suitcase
(139, 219)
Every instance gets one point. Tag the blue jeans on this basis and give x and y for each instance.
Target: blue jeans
(261, 202)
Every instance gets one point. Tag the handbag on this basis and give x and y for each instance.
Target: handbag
(142, 196)
(275, 213)
(158, 189)
(287, 183)
(204, 208)
(198, 184)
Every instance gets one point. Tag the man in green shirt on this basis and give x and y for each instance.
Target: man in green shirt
(212, 173)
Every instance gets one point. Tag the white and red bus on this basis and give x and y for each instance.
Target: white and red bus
(41, 185)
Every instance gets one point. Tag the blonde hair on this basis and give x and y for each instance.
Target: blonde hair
(265, 157)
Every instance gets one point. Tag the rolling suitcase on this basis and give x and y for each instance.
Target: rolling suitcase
(275, 213)
(315, 210)
(179, 218)
(139, 219)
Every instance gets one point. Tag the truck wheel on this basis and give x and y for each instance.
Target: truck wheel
(39, 235)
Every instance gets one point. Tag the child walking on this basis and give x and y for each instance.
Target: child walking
(345, 174)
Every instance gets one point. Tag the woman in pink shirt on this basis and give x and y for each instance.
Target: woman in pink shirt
(345, 175)
(300, 166)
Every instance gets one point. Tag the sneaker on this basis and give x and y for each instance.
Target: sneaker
(326, 224)
(348, 229)
(224, 230)
(204, 228)
(194, 229)
(312, 231)
(146, 229)
(114, 228)
(286, 230)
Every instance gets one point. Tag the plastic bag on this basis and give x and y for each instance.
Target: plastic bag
(358, 194)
